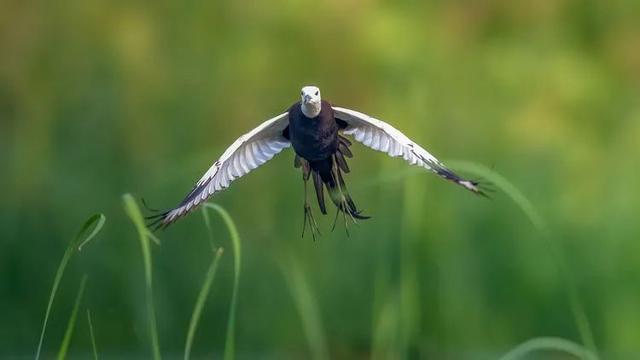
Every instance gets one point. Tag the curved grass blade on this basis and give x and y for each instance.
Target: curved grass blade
(548, 344)
(507, 187)
(93, 338)
(207, 224)
(202, 297)
(98, 220)
(582, 321)
(133, 211)
(64, 347)
(101, 219)
(307, 308)
(229, 347)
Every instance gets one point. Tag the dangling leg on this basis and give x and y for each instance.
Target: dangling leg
(308, 214)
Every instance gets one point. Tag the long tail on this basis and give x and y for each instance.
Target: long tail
(328, 172)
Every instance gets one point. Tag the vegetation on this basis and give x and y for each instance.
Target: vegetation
(299, 288)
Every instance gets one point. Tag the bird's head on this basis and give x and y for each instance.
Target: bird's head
(310, 101)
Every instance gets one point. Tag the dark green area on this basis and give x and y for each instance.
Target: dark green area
(100, 98)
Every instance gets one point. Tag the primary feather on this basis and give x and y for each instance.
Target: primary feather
(247, 153)
(381, 136)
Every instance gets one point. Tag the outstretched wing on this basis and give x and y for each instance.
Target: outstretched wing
(247, 153)
(381, 136)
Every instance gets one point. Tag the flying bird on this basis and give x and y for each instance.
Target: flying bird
(318, 132)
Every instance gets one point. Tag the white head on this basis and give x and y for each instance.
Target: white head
(310, 101)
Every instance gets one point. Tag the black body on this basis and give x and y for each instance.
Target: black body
(313, 139)
(317, 141)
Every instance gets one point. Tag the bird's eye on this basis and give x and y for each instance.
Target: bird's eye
(317, 93)
(301, 92)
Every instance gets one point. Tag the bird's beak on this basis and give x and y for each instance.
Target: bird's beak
(306, 99)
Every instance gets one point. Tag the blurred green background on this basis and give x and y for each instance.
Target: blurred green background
(99, 98)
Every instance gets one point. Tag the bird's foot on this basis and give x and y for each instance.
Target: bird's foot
(346, 216)
(313, 225)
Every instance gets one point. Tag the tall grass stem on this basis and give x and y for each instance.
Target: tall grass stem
(307, 307)
(64, 346)
(580, 317)
(202, 297)
(207, 224)
(97, 222)
(229, 348)
(133, 211)
(94, 348)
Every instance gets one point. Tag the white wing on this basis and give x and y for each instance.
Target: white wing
(247, 153)
(381, 136)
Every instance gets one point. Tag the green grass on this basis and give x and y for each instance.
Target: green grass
(307, 307)
(202, 297)
(385, 342)
(555, 248)
(229, 348)
(94, 348)
(144, 235)
(385, 337)
(207, 224)
(548, 344)
(96, 222)
(505, 186)
(64, 347)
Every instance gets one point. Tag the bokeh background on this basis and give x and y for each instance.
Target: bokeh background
(100, 98)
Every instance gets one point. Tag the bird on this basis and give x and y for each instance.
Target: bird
(320, 135)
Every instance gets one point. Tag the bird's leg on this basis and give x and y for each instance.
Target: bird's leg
(344, 212)
(308, 214)
(335, 220)
(339, 210)
(308, 217)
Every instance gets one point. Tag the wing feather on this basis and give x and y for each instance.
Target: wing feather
(250, 151)
(381, 136)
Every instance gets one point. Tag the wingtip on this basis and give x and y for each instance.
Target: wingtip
(158, 220)
(479, 188)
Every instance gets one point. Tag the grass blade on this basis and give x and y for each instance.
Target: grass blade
(507, 187)
(307, 308)
(202, 297)
(93, 338)
(582, 321)
(98, 220)
(548, 344)
(64, 347)
(133, 211)
(207, 224)
(385, 334)
(229, 348)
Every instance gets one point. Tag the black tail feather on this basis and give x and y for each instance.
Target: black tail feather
(329, 173)
(344, 150)
(317, 182)
(343, 188)
(342, 163)
(344, 140)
